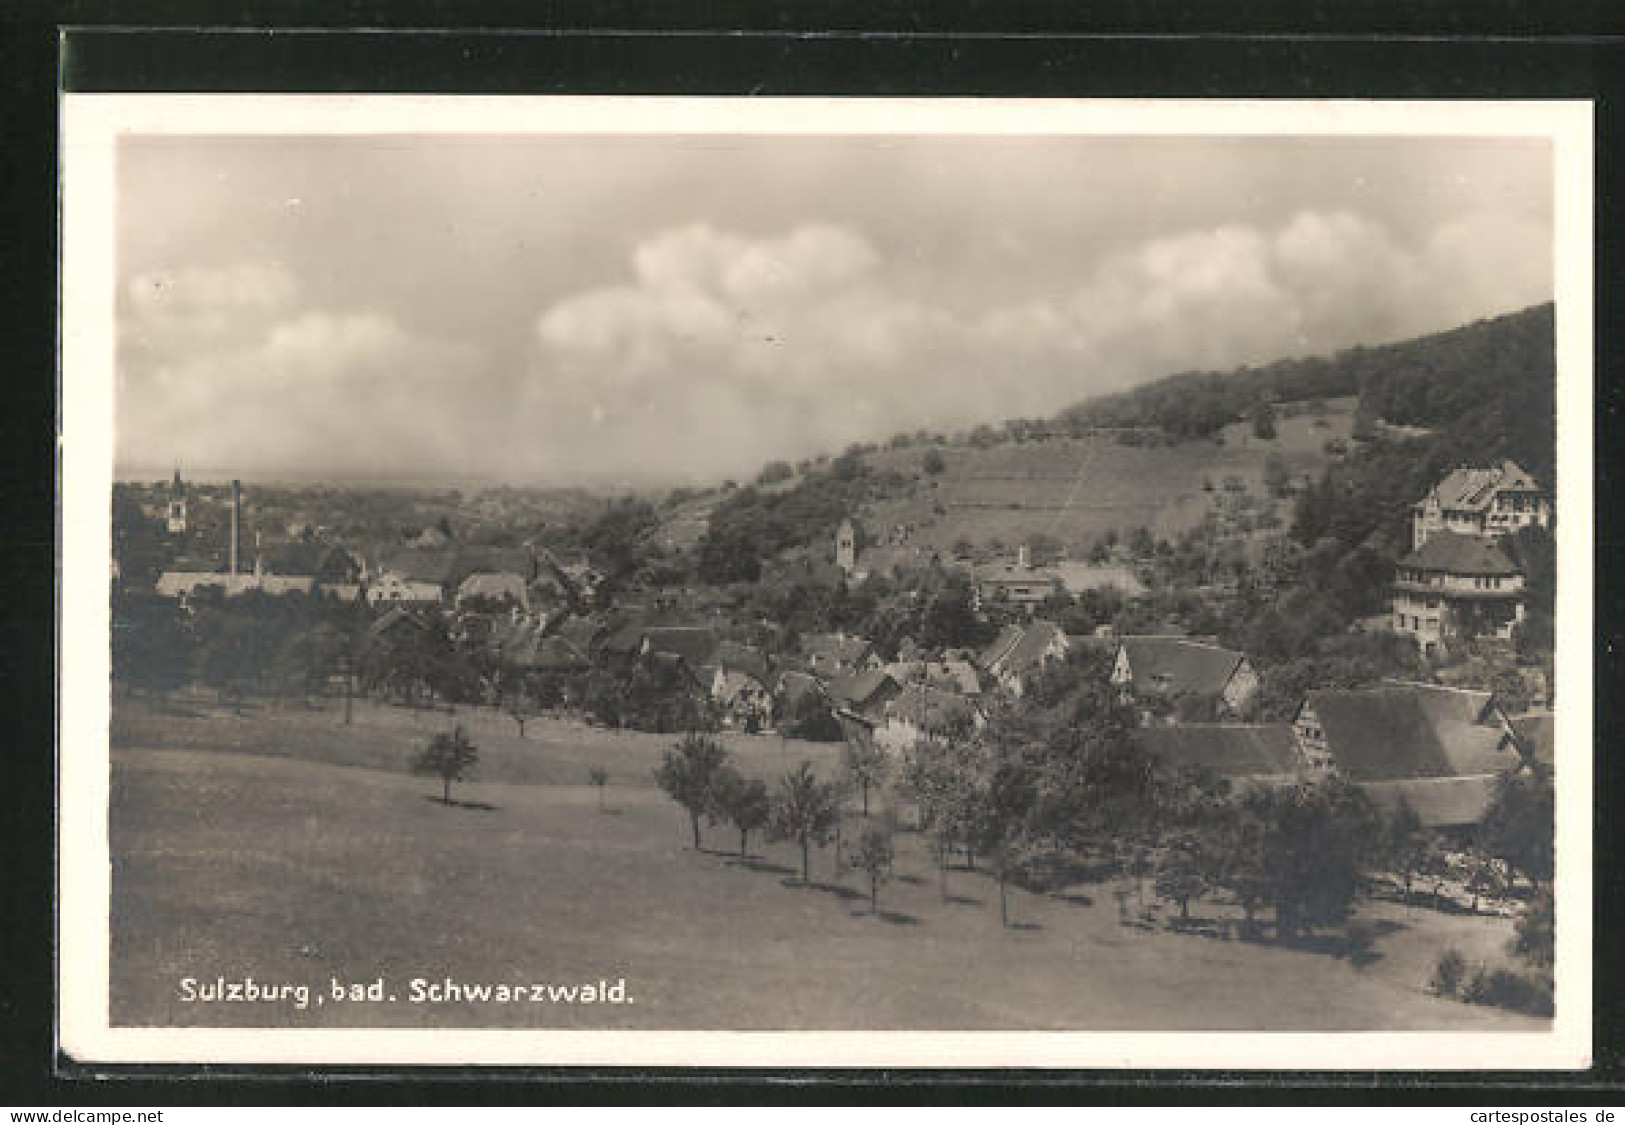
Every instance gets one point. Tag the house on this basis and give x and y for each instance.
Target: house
(1018, 584)
(327, 562)
(522, 643)
(864, 694)
(1166, 669)
(1439, 748)
(183, 584)
(495, 588)
(792, 691)
(391, 588)
(921, 713)
(393, 621)
(1460, 582)
(944, 674)
(696, 644)
(744, 700)
(1481, 504)
(1021, 650)
(837, 654)
(1243, 754)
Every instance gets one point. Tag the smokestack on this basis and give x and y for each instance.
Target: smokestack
(236, 521)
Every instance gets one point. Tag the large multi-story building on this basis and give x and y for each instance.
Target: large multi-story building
(1457, 578)
(1483, 503)
(1459, 583)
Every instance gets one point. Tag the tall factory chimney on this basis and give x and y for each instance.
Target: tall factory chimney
(236, 521)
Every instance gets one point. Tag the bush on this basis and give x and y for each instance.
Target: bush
(1448, 973)
(1503, 988)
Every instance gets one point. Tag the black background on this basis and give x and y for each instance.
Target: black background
(1122, 49)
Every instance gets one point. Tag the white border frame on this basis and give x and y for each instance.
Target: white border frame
(91, 125)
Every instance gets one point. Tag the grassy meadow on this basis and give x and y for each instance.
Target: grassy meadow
(287, 846)
(1076, 489)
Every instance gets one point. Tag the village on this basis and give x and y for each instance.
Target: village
(1443, 737)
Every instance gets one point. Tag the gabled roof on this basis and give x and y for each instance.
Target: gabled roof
(731, 656)
(1008, 638)
(448, 566)
(493, 585)
(1398, 732)
(1439, 802)
(1232, 750)
(958, 676)
(861, 688)
(1028, 651)
(581, 631)
(694, 643)
(735, 684)
(1536, 736)
(393, 618)
(1475, 489)
(1453, 553)
(1175, 666)
(793, 687)
(624, 641)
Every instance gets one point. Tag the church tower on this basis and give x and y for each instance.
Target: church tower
(176, 510)
(846, 547)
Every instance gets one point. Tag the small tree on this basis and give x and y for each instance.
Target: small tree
(1536, 935)
(742, 803)
(1181, 876)
(1519, 826)
(804, 810)
(688, 773)
(873, 856)
(520, 709)
(933, 463)
(1264, 422)
(865, 764)
(599, 777)
(451, 757)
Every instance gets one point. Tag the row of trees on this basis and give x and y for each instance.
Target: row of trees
(802, 809)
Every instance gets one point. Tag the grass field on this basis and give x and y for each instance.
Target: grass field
(1077, 489)
(247, 846)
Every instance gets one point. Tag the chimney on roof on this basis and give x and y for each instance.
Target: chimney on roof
(236, 522)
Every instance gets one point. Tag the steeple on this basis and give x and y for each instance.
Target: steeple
(175, 511)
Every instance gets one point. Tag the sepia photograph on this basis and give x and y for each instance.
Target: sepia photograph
(690, 582)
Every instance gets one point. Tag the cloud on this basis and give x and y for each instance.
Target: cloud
(723, 349)
(718, 350)
(223, 370)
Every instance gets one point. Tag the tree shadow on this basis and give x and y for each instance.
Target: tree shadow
(756, 863)
(476, 806)
(890, 917)
(1073, 898)
(846, 894)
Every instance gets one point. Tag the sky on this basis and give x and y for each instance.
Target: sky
(549, 310)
